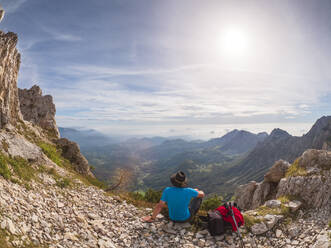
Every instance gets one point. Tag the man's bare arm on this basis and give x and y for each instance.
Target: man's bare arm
(156, 211)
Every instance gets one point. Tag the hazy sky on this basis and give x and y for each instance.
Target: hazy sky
(163, 67)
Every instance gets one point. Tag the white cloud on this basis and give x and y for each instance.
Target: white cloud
(188, 92)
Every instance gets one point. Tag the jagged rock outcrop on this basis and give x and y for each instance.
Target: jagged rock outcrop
(18, 136)
(309, 179)
(70, 150)
(314, 188)
(9, 66)
(38, 109)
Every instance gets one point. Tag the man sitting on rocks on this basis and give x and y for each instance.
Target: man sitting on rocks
(179, 200)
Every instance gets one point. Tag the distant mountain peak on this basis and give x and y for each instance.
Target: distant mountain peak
(277, 133)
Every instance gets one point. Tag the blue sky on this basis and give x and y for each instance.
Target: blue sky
(174, 67)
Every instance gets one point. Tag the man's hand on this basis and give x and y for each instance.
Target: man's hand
(201, 194)
(148, 219)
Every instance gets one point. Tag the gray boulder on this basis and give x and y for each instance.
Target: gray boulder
(244, 194)
(259, 228)
(314, 188)
(260, 194)
(277, 171)
(70, 150)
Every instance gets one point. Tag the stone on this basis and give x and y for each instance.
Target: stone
(294, 205)
(9, 225)
(277, 171)
(70, 236)
(279, 233)
(71, 151)
(273, 204)
(293, 231)
(259, 228)
(244, 194)
(322, 241)
(34, 218)
(270, 220)
(260, 194)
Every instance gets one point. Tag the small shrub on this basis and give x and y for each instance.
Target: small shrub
(211, 203)
(138, 196)
(330, 224)
(284, 199)
(63, 182)
(96, 182)
(52, 153)
(295, 170)
(4, 169)
(5, 145)
(135, 199)
(22, 168)
(153, 196)
(250, 220)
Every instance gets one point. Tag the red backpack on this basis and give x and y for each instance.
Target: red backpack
(228, 218)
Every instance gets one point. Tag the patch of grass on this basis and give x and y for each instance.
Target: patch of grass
(250, 220)
(263, 210)
(284, 199)
(5, 145)
(136, 200)
(330, 224)
(63, 182)
(4, 169)
(22, 168)
(52, 153)
(211, 203)
(295, 170)
(3, 241)
(6, 238)
(151, 196)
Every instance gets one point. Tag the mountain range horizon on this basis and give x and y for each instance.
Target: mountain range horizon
(120, 137)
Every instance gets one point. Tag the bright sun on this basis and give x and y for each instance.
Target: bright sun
(234, 42)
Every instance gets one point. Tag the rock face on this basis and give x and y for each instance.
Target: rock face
(244, 194)
(38, 109)
(315, 187)
(312, 184)
(71, 151)
(2, 13)
(9, 66)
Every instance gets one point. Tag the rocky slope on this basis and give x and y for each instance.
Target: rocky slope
(308, 179)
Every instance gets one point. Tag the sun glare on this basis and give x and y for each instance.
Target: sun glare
(234, 42)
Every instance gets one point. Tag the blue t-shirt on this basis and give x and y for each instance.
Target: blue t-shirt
(178, 201)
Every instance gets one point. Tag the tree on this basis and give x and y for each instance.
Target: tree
(120, 180)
